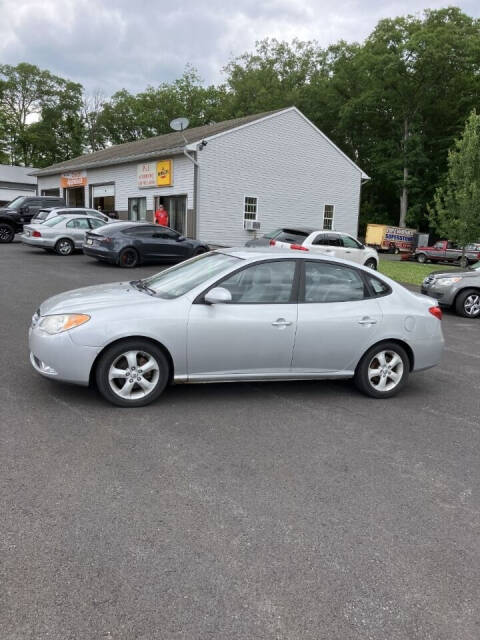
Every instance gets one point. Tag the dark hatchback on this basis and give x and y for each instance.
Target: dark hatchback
(129, 244)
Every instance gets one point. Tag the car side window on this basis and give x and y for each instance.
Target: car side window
(78, 223)
(320, 239)
(166, 234)
(96, 223)
(264, 283)
(379, 287)
(350, 243)
(333, 283)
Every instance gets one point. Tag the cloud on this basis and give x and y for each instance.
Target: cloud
(124, 44)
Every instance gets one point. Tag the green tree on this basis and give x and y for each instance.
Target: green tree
(456, 212)
(42, 115)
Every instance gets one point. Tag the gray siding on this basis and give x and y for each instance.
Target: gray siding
(288, 165)
(125, 179)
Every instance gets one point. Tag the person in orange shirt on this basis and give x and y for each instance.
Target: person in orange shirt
(161, 216)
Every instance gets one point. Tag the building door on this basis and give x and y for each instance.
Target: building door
(75, 197)
(103, 197)
(137, 209)
(177, 211)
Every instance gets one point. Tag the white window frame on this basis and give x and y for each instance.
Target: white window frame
(249, 212)
(331, 219)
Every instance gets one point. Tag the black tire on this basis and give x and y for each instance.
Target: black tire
(128, 258)
(113, 355)
(397, 251)
(371, 263)
(7, 233)
(462, 262)
(368, 384)
(422, 258)
(467, 303)
(64, 247)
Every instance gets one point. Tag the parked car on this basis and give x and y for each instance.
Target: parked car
(129, 244)
(446, 251)
(297, 234)
(20, 211)
(47, 214)
(62, 233)
(234, 315)
(331, 243)
(457, 289)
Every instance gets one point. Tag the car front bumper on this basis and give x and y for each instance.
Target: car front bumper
(444, 295)
(59, 358)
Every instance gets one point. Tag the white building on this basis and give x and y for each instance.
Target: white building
(220, 181)
(16, 181)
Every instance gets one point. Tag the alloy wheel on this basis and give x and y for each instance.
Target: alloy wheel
(64, 247)
(385, 370)
(472, 305)
(133, 375)
(6, 233)
(128, 258)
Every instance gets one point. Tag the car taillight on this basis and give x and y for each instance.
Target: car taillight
(437, 312)
(272, 243)
(36, 234)
(106, 241)
(298, 247)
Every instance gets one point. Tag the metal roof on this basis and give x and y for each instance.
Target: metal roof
(142, 149)
(21, 175)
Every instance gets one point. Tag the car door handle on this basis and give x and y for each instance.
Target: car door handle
(367, 320)
(281, 322)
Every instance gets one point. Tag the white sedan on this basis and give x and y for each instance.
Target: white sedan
(330, 243)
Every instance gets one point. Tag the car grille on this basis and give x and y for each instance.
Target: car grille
(35, 317)
(428, 280)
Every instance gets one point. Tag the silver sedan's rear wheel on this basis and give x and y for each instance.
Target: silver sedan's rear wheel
(383, 370)
(132, 373)
(64, 247)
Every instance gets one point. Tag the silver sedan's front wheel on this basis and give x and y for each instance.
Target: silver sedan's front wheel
(132, 373)
(383, 370)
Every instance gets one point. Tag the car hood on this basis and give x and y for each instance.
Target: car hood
(471, 273)
(89, 299)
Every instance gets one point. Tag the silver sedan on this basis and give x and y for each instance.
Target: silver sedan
(63, 234)
(233, 315)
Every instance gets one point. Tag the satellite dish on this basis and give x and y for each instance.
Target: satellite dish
(179, 124)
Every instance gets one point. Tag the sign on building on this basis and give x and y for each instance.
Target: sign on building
(155, 174)
(73, 179)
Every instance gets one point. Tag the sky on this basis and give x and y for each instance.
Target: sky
(108, 45)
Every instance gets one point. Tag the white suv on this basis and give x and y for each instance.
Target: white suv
(332, 243)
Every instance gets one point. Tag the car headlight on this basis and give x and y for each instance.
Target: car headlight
(62, 322)
(445, 282)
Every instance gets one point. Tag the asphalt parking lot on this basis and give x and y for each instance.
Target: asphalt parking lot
(241, 511)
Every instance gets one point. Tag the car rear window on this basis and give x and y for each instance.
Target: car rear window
(54, 221)
(292, 236)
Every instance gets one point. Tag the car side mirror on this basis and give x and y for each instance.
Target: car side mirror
(218, 295)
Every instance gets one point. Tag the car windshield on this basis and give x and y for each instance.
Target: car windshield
(16, 203)
(476, 266)
(180, 279)
(54, 221)
(42, 214)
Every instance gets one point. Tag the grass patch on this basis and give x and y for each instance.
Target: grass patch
(410, 272)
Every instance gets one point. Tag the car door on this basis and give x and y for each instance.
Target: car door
(352, 249)
(30, 209)
(338, 318)
(77, 228)
(167, 244)
(252, 336)
(329, 244)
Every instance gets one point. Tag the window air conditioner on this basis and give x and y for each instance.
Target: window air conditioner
(252, 225)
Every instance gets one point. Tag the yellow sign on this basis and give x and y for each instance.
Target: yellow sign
(164, 173)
